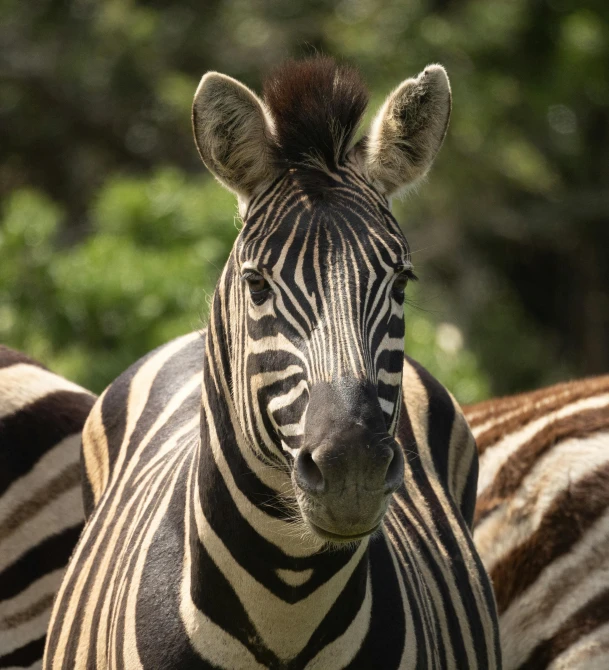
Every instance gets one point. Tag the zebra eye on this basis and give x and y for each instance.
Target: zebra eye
(400, 282)
(259, 287)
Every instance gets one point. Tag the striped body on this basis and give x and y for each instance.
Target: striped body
(542, 522)
(185, 561)
(41, 514)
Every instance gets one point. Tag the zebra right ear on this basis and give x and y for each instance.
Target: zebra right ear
(233, 132)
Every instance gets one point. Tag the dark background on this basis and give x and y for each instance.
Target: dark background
(112, 235)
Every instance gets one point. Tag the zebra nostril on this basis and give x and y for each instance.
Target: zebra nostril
(309, 476)
(395, 471)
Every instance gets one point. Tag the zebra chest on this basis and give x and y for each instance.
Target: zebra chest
(217, 613)
(170, 599)
(174, 608)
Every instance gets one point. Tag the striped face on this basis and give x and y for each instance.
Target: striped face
(311, 301)
(317, 338)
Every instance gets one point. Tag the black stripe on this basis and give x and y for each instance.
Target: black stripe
(589, 617)
(445, 536)
(468, 499)
(339, 617)
(51, 554)
(416, 590)
(9, 357)
(25, 656)
(387, 623)
(441, 415)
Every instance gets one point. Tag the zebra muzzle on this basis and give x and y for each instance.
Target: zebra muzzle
(348, 466)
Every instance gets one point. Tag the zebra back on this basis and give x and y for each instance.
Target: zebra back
(541, 522)
(41, 517)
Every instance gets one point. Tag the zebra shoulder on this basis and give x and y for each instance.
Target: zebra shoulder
(129, 407)
(432, 418)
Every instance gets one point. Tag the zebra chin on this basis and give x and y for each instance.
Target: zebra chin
(340, 529)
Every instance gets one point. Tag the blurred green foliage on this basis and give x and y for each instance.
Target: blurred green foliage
(141, 277)
(112, 236)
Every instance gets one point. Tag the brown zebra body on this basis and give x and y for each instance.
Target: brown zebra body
(542, 522)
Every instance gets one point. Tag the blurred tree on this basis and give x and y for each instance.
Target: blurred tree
(141, 278)
(105, 253)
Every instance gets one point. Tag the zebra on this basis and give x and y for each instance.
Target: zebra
(247, 503)
(41, 510)
(542, 522)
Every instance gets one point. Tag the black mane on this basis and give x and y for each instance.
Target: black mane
(317, 106)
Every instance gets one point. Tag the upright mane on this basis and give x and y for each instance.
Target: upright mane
(317, 106)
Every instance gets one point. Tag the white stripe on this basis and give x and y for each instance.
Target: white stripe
(389, 378)
(528, 622)
(23, 384)
(282, 401)
(590, 652)
(63, 512)
(340, 652)
(13, 638)
(46, 585)
(522, 513)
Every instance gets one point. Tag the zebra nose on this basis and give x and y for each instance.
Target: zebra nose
(332, 468)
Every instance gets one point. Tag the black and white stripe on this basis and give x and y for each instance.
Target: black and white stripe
(41, 513)
(187, 559)
(239, 481)
(542, 522)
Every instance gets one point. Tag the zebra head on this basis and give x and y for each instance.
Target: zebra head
(309, 309)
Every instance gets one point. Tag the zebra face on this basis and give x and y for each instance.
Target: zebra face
(312, 296)
(320, 288)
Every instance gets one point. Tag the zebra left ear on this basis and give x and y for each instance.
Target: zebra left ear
(408, 131)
